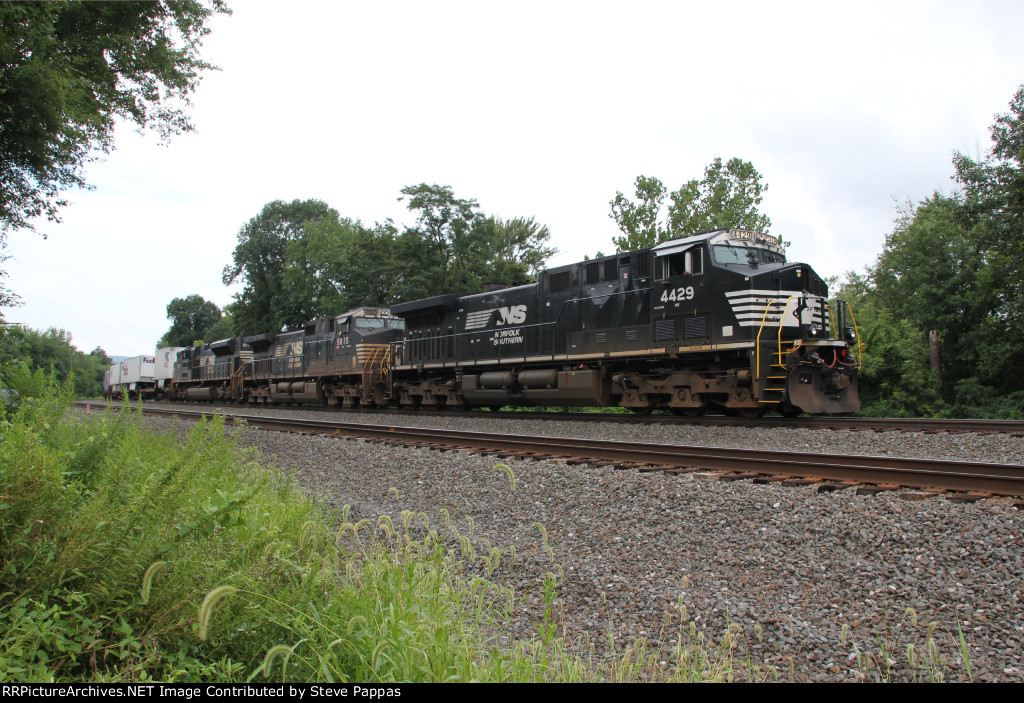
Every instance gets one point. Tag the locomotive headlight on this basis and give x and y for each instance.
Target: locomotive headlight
(850, 334)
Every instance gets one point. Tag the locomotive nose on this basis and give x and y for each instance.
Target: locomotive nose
(791, 277)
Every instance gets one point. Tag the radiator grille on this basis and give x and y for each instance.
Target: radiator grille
(664, 329)
(695, 327)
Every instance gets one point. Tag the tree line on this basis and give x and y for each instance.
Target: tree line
(952, 269)
(24, 351)
(302, 260)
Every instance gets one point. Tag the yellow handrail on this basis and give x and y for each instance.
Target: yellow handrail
(385, 365)
(782, 319)
(236, 377)
(855, 328)
(782, 323)
(757, 362)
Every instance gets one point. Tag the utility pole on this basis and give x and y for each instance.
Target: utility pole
(933, 344)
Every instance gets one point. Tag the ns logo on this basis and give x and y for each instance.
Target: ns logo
(514, 315)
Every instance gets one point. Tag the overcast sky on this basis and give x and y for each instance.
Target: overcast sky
(534, 109)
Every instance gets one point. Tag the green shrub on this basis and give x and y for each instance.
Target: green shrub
(130, 555)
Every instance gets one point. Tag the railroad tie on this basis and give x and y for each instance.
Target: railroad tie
(880, 488)
(738, 476)
(967, 497)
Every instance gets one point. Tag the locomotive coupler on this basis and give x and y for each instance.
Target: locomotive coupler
(837, 380)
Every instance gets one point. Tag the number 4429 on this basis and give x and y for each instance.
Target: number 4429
(677, 294)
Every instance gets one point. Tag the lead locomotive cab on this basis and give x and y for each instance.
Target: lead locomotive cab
(754, 330)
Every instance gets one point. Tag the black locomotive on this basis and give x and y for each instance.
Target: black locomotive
(336, 360)
(715, 319)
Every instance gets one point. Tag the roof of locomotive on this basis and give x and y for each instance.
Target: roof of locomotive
(732, 237)
(498, 290)
(364, 311)
(689, 239)
(438, 302)
(446, 302)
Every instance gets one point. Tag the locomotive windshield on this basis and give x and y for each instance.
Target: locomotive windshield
(725, 254)
(379, 323)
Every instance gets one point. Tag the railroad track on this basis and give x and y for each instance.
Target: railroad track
(875, 424)
(864, 473)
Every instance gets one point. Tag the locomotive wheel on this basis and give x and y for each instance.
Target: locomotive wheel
(749, 413)
(494, 408)
(692, 411)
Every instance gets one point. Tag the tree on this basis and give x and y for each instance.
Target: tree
(511, 251)
(7, 297)
(727, 197)
(639, 220)
(259, 261)
(993, 208)
(319, 266)
(69, 70)
(930, 257)
(466, 248)
(192, 318)
(221, 329)
(301, 261)
(955, 265)
(444, 222)
(381, 267)
(52, 351)
(894, 378)
(927, 278)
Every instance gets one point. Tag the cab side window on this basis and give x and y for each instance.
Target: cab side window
(689, 262)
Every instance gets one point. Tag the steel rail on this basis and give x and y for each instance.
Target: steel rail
(941, 474)
(901, 424)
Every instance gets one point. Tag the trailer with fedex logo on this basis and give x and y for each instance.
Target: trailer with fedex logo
(132, 377)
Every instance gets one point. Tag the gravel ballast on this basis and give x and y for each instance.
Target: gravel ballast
(822, 587)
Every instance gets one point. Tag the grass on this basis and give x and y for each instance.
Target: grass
(129, 555)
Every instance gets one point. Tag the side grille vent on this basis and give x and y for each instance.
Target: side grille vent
(695, 327)
(664, 329)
